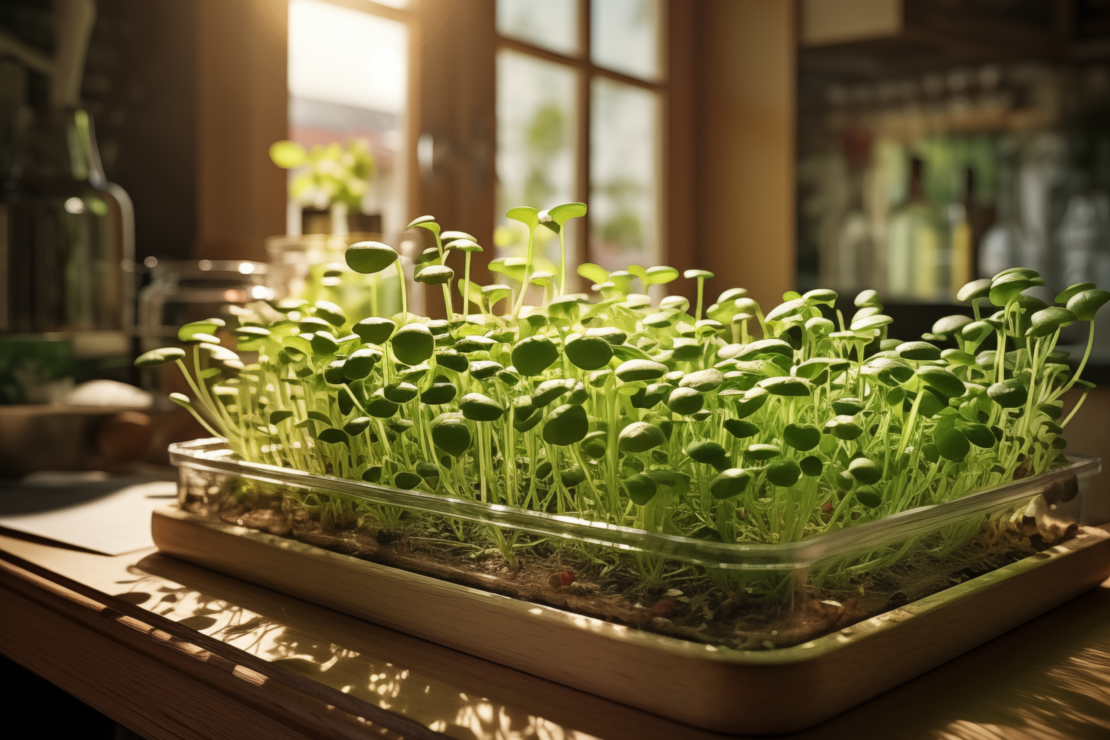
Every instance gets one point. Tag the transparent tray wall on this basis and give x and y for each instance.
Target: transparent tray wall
(361, 518)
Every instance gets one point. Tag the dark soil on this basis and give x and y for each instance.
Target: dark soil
(691, 608)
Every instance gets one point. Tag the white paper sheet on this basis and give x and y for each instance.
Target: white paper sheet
(107, 516)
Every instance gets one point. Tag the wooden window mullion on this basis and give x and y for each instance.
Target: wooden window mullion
(585, 79)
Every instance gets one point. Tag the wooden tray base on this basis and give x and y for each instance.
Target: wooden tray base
(730, 691)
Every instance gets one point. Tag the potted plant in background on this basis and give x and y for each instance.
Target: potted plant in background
(329, 184)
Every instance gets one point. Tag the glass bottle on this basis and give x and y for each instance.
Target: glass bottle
(855, 240)
(967, 222)
(64, 233)
(1003, 243)
(917, 251)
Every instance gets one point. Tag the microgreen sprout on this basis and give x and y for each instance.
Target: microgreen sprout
(728, 424)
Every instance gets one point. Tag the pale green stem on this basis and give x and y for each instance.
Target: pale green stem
(527, 273)
(404, 297)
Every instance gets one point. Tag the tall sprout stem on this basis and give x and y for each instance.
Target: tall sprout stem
(404, 297)
(527, 273)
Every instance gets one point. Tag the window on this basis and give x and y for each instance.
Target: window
(348, 82)
(579, 98)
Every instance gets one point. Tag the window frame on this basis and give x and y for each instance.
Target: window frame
(586, 71)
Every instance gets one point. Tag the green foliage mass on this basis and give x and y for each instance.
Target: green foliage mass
(739, 426)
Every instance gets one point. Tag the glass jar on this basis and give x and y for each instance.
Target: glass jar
(185, 291)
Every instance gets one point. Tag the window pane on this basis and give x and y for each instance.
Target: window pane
(348, 81)
(625, 36)
(535, 151)
(624, 135)
(552, 24)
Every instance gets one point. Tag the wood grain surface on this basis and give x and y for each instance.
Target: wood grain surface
(701, 685)
(1046, 680)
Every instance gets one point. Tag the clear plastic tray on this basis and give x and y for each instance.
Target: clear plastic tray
(212, 456)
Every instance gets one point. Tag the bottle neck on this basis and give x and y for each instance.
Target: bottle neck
(55, 145)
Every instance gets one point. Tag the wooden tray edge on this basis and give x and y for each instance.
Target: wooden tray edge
(693, 683)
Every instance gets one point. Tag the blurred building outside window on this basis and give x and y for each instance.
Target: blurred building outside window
(579, 99)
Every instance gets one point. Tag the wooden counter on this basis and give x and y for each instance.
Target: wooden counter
(175, 651)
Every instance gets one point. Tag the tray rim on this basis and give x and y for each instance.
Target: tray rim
(738, 556)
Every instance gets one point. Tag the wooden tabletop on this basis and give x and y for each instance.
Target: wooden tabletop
(175, 651)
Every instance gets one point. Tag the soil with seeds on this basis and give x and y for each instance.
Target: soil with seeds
(685, 605)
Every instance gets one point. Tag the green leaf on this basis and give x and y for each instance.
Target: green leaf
(276, 417)
(801, 437)
(589, 353)
(511, 267)
(334, 436)
(1009, 394)
(869, 498)
(942, 381)
(1086, 304)
(976, 331)
(752, 401)
(495, 293)
(634, 370)
(439, 394)
(786, 386)
(762, 452)
(159, 356)
(843, 427)
(811, 466)
(641, 488)
(979, 435)
(527, 215)
(413, 344)
(918, 351)
(566, 425)
(952, 443)
(380, 407)
(660, 275)
(424, 222)
(871, 322)
(593, 273)
(729, 483)
(479, 407)
(865, 471)
(407, 481)
(369, 258)
(400, 392)
(434, 275)
(1049, 320)
(330, 313)
(784, 473)
(847, 406)
(704, 451)
(357, 426)
(374, 330)
(323, 344)
(288, 154)
(974, 290)
(193, 331)
(533, 355)
(697, 275)
(1072, 291)
(1005, 288)
(685, 401)
(951, 324)
(640, 436)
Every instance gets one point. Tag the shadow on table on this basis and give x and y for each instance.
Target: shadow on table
(1046, 679)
